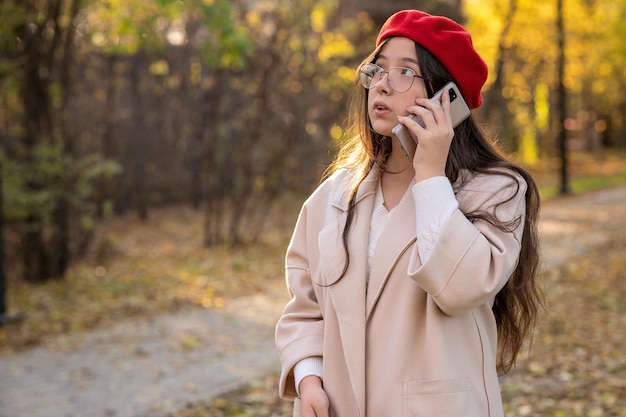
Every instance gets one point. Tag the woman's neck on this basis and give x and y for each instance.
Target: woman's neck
(396, 178)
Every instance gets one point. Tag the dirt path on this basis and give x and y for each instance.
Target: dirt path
(569, 226)
(143, 368)
(159, 366)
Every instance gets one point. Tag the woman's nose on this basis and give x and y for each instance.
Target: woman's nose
(383, 83)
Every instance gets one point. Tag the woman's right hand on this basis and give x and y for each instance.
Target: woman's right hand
(435, 136)
(313, 398)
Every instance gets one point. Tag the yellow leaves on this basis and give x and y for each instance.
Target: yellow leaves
(576, 365)
(295, 44)
(346, 74)
(531, 123)
(327, 47)
(319, 14)
(147, 268)
(334, 45)
(258, 399)
(318, 19)
(253, 18)
(159, 67)
(595, 48)
(190, 342)
(336, 132)
(542, 107)
(485, 26)
(117, 25)
(528, 149)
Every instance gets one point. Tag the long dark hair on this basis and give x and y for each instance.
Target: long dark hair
(517, 304)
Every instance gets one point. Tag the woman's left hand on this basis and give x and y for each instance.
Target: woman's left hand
(434, 138)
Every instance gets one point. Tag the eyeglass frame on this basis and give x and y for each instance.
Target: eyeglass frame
(381, 71)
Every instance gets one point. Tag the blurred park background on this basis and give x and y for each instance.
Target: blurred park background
(154, 153)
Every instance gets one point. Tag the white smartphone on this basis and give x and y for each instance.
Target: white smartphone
(459, 111)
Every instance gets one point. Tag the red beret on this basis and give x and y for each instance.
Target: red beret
(448, 41)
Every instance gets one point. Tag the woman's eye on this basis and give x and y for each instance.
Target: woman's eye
(407, 72)
(372, 69)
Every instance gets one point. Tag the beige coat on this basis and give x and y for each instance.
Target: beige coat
(422, 342)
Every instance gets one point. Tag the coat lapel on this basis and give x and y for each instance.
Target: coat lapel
(396, 238)
(348, 295)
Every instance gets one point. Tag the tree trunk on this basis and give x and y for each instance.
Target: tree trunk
(3, 286)
(138, 139)
(60, 242)
(38, 126)
(102, 189)
(212, 168)
(5, 317)
(494, 111)
(562, 94)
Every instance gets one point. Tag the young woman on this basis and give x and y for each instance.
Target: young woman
(412, 283)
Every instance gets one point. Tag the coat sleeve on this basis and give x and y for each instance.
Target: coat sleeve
(300, 330)
(472, 260)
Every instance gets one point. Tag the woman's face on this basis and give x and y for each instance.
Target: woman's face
(384, 105)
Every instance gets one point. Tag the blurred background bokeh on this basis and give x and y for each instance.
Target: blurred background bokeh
(109, 107)
(211, 120)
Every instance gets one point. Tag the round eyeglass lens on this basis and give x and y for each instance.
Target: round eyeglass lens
(400, 79)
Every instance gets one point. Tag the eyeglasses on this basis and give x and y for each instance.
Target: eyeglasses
(400, 79)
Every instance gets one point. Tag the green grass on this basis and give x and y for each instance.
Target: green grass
(583, 185)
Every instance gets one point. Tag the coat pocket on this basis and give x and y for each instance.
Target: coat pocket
(441, 398)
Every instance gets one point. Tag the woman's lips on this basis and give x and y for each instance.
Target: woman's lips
(381, 109)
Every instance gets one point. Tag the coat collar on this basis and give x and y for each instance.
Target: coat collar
(340, 197)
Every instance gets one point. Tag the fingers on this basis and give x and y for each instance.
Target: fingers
(432, 111)
(412, 121)
(434, 136)
(429, 118)
(314, 400)
(315, 407)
